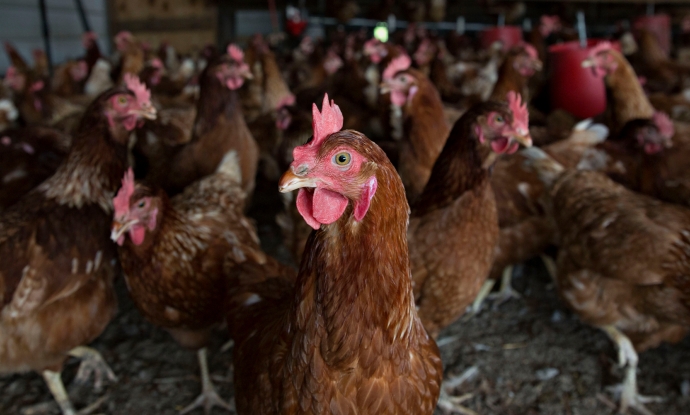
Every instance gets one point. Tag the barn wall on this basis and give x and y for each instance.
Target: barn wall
(188, 25)
(20, 23)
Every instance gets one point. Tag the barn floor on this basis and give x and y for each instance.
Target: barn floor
(532, 356)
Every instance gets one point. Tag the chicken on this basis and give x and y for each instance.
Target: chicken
(131, 54)
(8, 114)
(621, 262)
(634, 158)
(28, 156)
(57, 264)
(525, 230)
(662, 73)
(667, 176)
(628, 101)
(429, 59)
(219, 127)
(173, 253)
(425, 126)
(345, 337)
(517, 68)
(454, 225)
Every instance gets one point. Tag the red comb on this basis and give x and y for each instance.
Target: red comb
(398, 64)
(235, 53)
(326, 122)
(14, 79)
(135, 85)
(664, 124)
(370, 45)
(599, 48)
(286, 101)
(531, 51)
(520, 113)
(121, 200)
(549, 24)
(36, 86)
(157, 63)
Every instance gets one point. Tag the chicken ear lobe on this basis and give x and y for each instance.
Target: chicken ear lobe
(362, 205)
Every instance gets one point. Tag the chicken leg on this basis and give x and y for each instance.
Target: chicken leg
(452, 404)
(209, 397)
(92, 363)
(57, 388)
(506, 291)
(627, 357)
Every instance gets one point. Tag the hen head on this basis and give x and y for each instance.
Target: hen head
(549, 24)
(425, 52)
(232, 70)
(399, 81)
(649, 135)
(330, 171)
(332, 62)
(601, 59)
(526, 60)
(504, 128)
(375, 50)
(136, 210)
(131, 106)
(123, 40)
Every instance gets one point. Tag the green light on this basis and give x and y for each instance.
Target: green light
(381, 32)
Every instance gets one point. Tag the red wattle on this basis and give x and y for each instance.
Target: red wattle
(137, 233)
(500, 145)
(320, 206)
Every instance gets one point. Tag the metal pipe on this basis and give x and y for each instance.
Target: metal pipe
(581, 28)
(45, 30)
(82, 16)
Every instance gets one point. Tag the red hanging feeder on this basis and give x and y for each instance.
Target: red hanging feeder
(572, 87)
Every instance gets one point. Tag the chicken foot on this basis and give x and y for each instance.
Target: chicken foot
(57, 389)
(628, 358)
(481, 296)
(92, 363)
(452, 404)
(550, 265)
(505, 292)
(209, 397)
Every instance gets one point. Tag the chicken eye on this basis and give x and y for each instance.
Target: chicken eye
(122, 100)
(141, 204)
(499, 119)
(342, 159)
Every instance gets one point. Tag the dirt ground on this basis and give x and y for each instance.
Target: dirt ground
(530, 356)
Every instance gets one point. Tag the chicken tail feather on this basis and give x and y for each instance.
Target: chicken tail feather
(230, 166)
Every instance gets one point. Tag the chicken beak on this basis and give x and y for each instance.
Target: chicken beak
(522, 137)
(538, 65)
(147, 111)
(247, 74)
(384, 88)
(118, 229)
(588, 63)
(290, 181)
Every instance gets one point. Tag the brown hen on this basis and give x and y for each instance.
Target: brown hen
(622, 262)
(174, 253)
(345, 337)
(56, 263)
